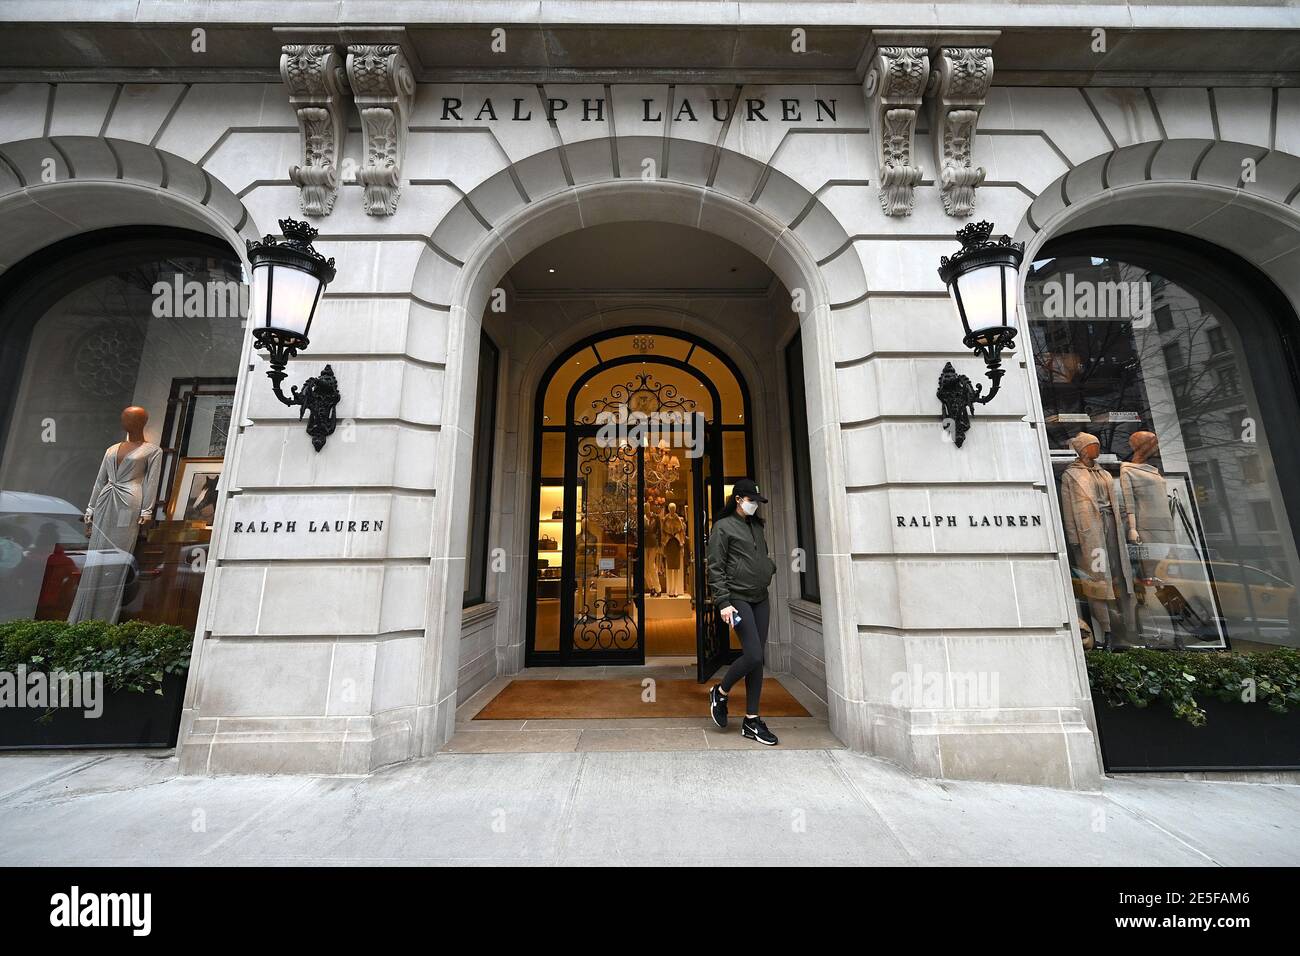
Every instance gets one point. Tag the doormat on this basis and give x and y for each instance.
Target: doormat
(596, 699)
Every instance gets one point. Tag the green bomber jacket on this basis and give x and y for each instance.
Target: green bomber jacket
(739, 565)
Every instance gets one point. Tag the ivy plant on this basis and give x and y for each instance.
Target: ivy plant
(1176, 679)
(132, 656)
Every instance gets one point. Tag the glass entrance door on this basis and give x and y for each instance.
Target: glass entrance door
(605, 579)
(633, 553)
(638, 436)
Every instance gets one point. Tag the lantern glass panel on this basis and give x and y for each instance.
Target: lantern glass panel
(293, 297)
(989, 297)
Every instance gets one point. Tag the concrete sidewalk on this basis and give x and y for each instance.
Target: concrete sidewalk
(736, 807)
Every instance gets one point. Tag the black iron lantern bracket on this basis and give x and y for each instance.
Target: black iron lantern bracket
(319, 396)
(959, 398)
(318, 399)
(956, 393)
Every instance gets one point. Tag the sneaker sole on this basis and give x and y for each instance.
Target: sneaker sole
(766, 743)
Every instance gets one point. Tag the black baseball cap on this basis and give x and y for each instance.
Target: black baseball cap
(747, 488)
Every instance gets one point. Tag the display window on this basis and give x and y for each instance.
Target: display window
(120, 356)
(1171, 418)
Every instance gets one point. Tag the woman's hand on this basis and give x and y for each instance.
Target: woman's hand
(729, 615)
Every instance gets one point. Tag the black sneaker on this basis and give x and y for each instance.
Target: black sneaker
(755, 729)
(718, 706)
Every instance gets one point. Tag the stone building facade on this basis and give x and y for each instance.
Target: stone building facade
(433, 166)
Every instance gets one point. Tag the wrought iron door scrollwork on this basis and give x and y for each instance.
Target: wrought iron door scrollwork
(644, 393)
(604, 617)
(605, 626)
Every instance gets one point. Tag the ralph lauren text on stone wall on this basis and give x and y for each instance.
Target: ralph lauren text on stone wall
(754, 110)
(312, 527)
(972, 521)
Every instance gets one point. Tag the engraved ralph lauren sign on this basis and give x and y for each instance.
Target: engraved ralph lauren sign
(785, 109)
(969, 521)
(311, 527)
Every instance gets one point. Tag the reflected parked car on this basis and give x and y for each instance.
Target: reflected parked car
(42, 554)
(1245, 593)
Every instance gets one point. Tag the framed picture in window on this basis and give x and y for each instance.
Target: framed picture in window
(194, 495)
(196, 426)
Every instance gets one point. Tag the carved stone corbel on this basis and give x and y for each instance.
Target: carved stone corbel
(383, 88)
(961, 81)
(894, 85)
(317, 84)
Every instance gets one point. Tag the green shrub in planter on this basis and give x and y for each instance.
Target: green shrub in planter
(1176, 678)
(132, 656)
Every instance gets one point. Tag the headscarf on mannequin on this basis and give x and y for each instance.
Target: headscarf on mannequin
(1081, 441)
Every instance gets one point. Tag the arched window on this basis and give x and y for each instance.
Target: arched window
(1168, 378)
(118, 357)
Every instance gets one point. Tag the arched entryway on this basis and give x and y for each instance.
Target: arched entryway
(475, 645)
(640, 433)
(659, 317)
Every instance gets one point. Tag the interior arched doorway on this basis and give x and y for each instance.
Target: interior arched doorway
(641, 433)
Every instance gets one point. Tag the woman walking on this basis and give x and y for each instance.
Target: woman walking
(740, 571)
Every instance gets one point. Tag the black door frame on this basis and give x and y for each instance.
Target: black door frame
(712, 635)
(571, 431)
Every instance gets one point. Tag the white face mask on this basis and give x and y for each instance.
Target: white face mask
(749, 507)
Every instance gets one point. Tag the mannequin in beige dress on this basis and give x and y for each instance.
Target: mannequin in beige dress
(121, 502)
(1146, 498)
(655, 581)
(1148, 521)
(1092, 516)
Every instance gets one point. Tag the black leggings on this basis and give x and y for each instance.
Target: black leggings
(749, 665)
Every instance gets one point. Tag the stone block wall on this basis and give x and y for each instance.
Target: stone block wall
(340, 653)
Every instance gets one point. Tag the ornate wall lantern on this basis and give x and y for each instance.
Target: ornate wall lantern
(983, 281)
(288, 279)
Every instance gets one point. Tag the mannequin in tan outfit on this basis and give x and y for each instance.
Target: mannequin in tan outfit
(1092, 515)
(1148, 522)
(1146, 498)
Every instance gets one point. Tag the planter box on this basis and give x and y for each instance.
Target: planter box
(127, 720)
(1235, 737)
